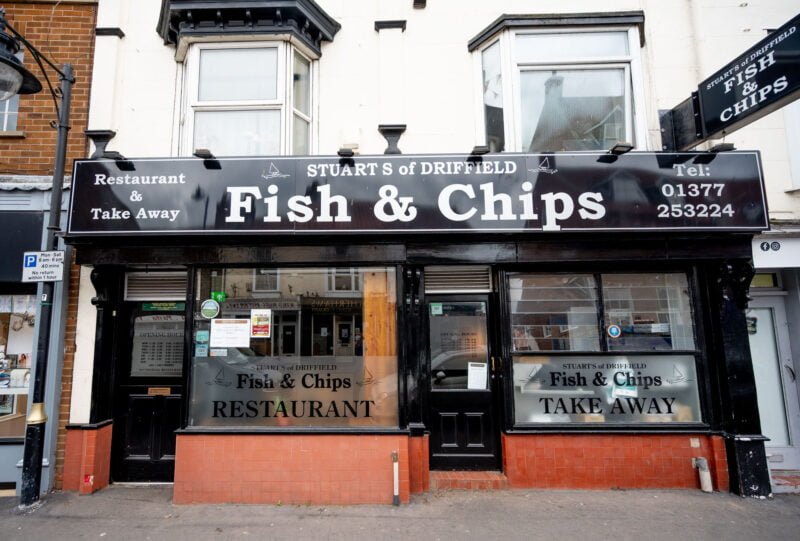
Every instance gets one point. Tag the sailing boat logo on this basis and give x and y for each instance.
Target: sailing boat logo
(677, 376)
(272, 172)
(544, 167)
(219, 379)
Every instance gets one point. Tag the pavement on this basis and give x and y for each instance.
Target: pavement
(146, 512)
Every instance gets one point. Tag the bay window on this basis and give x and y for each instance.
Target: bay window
(563, 88)
(248, 99)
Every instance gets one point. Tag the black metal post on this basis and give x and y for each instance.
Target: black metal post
(37, 419)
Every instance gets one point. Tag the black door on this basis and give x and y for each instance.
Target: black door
(148, 391)
(462, 403)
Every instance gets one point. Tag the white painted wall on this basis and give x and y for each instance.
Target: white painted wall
(425, 78)
(81, 399)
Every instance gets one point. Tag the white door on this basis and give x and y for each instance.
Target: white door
(778, 404)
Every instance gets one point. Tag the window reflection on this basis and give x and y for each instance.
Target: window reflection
(573, 109)
(553, 312)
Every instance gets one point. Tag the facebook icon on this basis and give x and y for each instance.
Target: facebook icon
(30, 261)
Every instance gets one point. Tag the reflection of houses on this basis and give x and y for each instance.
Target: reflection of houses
(314, 313)
(579, 123)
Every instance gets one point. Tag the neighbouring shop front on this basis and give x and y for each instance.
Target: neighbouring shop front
(279, 329)
(18, 307)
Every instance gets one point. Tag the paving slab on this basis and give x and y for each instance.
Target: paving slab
(145, 513)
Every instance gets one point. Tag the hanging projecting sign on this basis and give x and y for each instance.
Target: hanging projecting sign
(764, 78)
(757, 82)
(638, 191)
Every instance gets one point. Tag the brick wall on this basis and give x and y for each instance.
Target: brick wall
(612, 461)
(65, 34)
(67, 372)
(292, 469)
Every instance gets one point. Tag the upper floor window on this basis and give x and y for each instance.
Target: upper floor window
(265, 280)
(248, 99)
(9, 112)
(562, 89)
(343, 280)
(9, 109)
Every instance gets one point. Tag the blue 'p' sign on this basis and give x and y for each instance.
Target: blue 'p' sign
(30, 261)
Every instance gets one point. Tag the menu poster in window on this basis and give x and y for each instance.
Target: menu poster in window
(260, 322)
(157, 346)
(230, 333)
(476, 376)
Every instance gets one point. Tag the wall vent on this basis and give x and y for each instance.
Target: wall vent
(155, 286)
(473, 279)
(15, 202)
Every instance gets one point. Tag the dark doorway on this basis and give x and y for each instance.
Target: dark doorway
(148, 392)
(464, 387)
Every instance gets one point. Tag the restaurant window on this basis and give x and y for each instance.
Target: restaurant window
(562, 90)
(248, 99)
(305, 357)
(603, 348)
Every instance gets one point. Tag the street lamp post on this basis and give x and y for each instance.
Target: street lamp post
(15, 79)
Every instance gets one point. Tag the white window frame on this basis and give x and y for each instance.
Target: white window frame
(330, 281)
(10, 107)
(277, 281)
(283, 102)
(636, 119)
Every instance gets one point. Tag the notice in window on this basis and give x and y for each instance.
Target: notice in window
(230, 333)
(157, 346)
(476, 376)
(260, 323)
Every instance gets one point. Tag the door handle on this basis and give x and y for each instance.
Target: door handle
(497, 366)
(791, 371)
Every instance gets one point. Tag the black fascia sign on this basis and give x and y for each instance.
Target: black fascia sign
(757, 82)
(395, 195)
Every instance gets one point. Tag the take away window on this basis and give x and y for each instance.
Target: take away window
(304, 357)
(614, 348)
(248, 99)
(553, 86)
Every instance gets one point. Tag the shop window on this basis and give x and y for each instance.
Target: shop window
(17, 324)
(603, 348)
(565, 89)
(305, 357)
(248, 99)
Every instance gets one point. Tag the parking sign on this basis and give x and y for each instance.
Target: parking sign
(43, 266)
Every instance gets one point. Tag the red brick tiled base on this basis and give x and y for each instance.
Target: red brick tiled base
(611, 461)
(419, 464)
(468, 480)
(786, 481)
(292, 469)
(87, 458)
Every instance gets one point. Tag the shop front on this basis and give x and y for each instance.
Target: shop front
(18, 309)
(288, 329)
